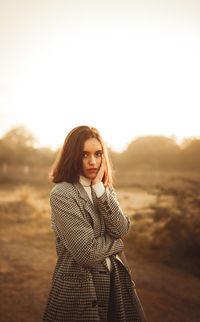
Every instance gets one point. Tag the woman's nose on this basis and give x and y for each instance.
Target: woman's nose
(92, 160)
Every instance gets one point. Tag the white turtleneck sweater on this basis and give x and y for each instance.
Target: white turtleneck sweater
(99, 190)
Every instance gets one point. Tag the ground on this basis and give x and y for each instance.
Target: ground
(28, 258)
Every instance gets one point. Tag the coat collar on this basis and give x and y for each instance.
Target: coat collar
(88, 205)
(81, 192)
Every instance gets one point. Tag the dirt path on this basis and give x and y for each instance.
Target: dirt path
(167, 294)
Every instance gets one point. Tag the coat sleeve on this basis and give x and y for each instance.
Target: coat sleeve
(77, 234)
(117, 223)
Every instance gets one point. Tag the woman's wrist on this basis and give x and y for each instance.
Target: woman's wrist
(99, 189)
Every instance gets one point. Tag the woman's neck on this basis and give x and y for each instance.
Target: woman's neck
(85, 181)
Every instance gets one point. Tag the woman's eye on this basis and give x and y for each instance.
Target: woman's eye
(84, 155)
(99, 154)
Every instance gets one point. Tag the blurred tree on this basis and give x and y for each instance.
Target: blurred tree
(156, 152)
(17, 147)
(45, 156)
(19, 136)
(116, 158)
(190, 153)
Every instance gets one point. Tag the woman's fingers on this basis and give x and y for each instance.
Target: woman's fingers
(101, 171)
(103, 164)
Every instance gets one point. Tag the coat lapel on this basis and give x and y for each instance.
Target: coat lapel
(88, 206)
(87, 203)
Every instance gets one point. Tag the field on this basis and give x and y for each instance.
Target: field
(162, 246)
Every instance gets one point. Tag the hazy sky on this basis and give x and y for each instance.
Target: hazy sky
(129, 68)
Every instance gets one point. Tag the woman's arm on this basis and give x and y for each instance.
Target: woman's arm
(117, 223)
(77, 234)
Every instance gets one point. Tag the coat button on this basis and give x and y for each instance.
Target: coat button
(94, 303)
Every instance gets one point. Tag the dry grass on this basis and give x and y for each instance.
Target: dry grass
(28, 256)
(27, 253)
(166, 225)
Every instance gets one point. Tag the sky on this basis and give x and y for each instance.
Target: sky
(129, 68)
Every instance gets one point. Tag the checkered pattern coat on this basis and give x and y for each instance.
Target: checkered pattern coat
(83, 289)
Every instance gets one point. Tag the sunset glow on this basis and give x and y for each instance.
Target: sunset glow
(129, 70)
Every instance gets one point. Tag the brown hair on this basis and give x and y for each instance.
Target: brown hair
(68, 164)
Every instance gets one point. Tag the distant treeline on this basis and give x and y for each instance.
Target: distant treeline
(148, 152)
(159, 153)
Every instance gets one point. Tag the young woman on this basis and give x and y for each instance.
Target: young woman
(91, 281)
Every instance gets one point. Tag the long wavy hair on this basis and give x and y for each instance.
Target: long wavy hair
(68, 164)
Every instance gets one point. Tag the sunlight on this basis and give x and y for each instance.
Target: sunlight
(130, 80)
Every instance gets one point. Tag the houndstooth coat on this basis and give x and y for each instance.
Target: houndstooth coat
(83, 289)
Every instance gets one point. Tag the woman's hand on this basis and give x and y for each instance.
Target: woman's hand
(100, 173)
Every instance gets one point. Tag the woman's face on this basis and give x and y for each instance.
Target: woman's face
(91, 158)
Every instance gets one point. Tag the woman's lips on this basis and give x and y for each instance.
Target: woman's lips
(92, 170)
